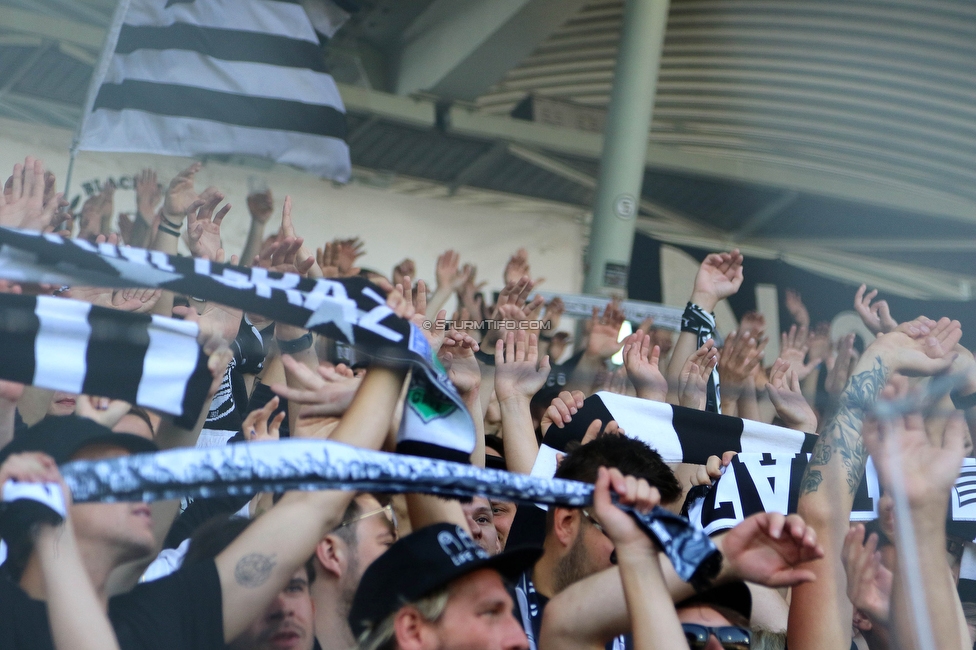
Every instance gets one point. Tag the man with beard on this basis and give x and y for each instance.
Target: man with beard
(574, 545)
(286, 624)
(367, 530)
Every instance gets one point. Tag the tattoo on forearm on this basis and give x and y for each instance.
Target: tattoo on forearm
(254, 570)
(841, 436)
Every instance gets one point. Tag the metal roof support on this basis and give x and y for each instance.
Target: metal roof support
(625, 145)
(457, 50)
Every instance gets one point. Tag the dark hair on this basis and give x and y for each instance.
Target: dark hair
(494, 442)
(216, 534)
(631, 456)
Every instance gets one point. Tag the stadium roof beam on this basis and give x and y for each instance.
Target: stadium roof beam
(59, 29)
(755, 170)
(458, 50)
(896, 278)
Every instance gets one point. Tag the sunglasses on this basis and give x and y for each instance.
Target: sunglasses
(731, 637)
(387, 510)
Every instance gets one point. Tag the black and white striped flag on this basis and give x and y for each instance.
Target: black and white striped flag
(679, 434)
(79, 348)
(194, 77)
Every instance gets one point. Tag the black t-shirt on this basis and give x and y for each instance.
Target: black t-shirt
(182, 611)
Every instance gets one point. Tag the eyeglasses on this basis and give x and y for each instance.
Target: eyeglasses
(599, 527)
(731, 637)
(596, 524)
(390, 516)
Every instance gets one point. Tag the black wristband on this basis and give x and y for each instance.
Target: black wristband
(300, 344)
(963, 402)
(174, 226)
(169, 231)
(545, 337)
(485, 358)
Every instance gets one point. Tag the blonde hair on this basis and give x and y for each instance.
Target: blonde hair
(382, 635)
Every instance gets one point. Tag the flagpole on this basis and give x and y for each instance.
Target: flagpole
(98, 74)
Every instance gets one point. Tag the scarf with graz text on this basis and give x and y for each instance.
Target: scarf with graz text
(435, 421)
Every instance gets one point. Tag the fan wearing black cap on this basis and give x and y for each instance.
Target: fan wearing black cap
(436, 589)
(212, 602)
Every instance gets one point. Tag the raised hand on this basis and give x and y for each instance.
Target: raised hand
(784, 392)
(94, 211)
(603, 341)
(103, 410)
(517, 267)
(261, 206)
(619, 526)
(920, 347)
(769, 548)
(793, 348)
(347, 252)
(876, 317)
(794, 305)
(561, 410)
(256, 427)
(283, 256)
(868, 581)
(148, 193)
(180, 194)
(642, 364)
(28, 199)
(202, 233)
(518, 369)
(719, 276)
(457, 357)
(405, 269)
(840, 367)
(927, 471)
(554, 313)
(216, 320)
(693, 381)
(326, 392)
(139, 301)
(738, 360)
(449, 275)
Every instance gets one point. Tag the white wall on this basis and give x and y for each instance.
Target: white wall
(392, 224)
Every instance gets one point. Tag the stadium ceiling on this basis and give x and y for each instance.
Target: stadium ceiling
(825, 132)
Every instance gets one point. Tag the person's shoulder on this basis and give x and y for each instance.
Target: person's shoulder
(22, 618)
(199, 579)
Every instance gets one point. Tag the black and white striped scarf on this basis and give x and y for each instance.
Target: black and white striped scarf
(435, 421)
(72, 346)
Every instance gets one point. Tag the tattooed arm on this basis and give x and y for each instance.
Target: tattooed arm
(820, 613)
(259, 563)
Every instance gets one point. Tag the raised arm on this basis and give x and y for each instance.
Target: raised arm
(820, 612)
(519, 374)
(719, 276)
(926, 471)
(75, 613)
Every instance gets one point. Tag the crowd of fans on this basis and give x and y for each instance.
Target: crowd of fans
(338, 570)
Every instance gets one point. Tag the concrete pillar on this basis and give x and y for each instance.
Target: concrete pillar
(625, 145)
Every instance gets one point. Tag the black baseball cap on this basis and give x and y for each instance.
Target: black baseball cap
(734, 596)
(61, 437)
(423, 562)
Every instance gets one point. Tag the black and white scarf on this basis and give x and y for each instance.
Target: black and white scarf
(702, 324)
(72, 346)
(435, 421)
(679, 434)
(252, 468)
